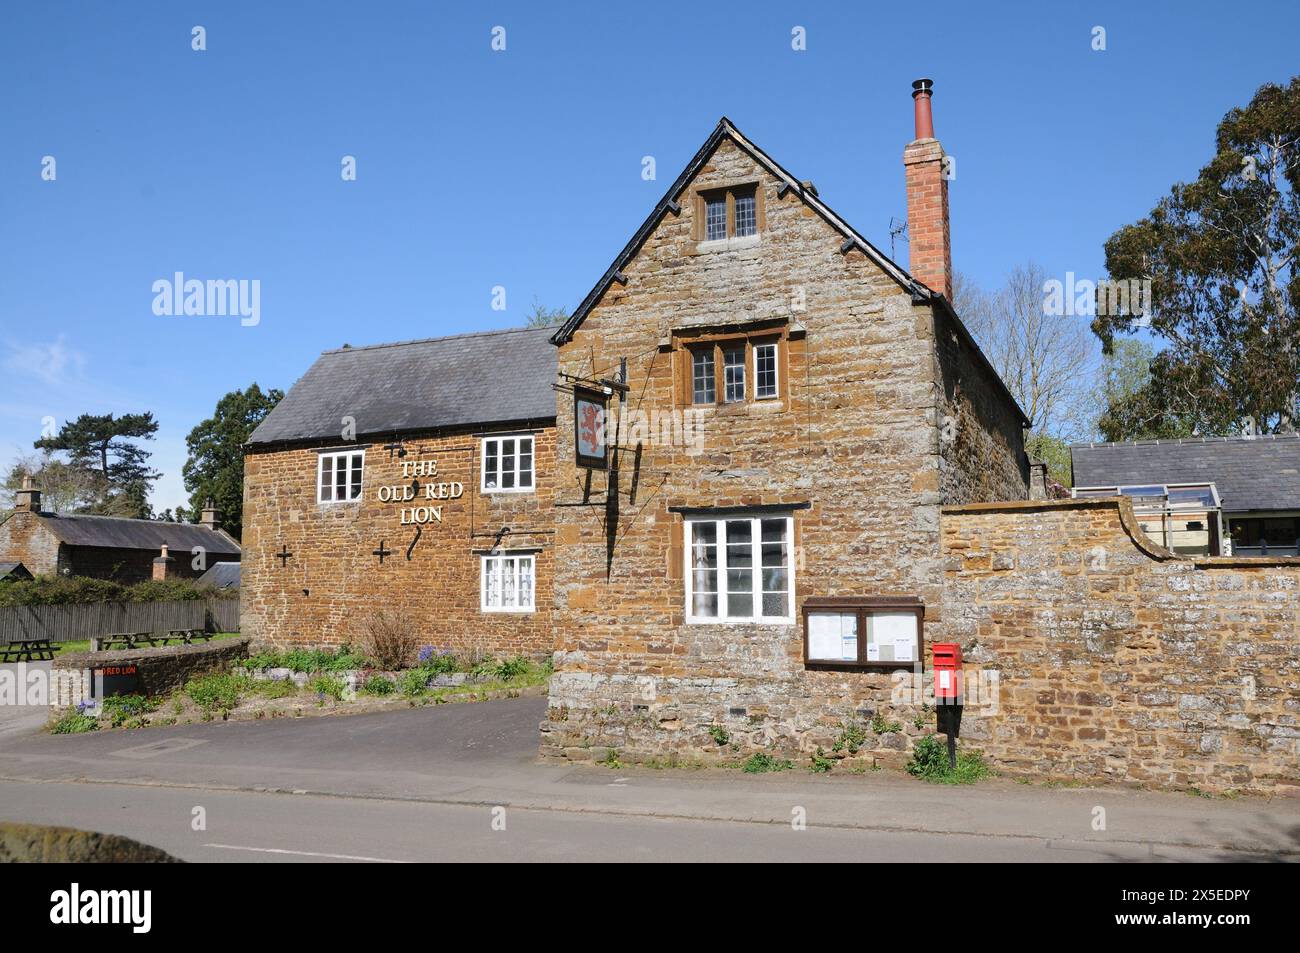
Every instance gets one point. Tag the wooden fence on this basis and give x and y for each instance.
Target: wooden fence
(88, 620)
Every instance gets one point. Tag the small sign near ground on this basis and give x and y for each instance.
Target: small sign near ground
(115, 680)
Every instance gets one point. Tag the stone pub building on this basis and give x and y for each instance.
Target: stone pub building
(807, 474)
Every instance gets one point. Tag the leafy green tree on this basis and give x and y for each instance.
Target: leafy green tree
(544, 317)
(1053, 451)
(1122, 395)
(214, 469)
(103, 445)
(1220, 255)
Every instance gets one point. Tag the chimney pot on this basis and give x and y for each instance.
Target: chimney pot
(27, 499)
(922, 90)
(164, 565)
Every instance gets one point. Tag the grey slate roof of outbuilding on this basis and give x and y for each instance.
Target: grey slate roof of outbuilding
(485, 378)
(1251, 473)
(118, 532)
(222, 575)
(16, 569)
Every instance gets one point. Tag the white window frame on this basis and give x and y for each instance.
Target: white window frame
(728, 349)
(483, 457)
(518, 559)
(335, 456)
(776, 369)
(756, 564)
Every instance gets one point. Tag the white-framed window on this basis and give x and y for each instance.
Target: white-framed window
(733, 373)
(739, 569)
(338, 476)
(508, 464)
(703, 383)
(765, 383)
(506, 583)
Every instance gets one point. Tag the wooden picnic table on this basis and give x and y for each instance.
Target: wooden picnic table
(131, 640)
(24, 650)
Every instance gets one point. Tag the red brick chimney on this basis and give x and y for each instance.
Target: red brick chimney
(164, 565)
(929, 240)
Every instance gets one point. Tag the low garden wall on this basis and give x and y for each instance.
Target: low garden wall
(161, 670)
(1117, 660)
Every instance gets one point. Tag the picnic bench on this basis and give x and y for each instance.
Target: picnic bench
(26, 650)
(133, 640)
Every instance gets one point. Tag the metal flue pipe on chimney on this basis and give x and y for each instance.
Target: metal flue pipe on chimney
(929, 235)
(922, 89)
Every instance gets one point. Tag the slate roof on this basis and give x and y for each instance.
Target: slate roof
(1259, 473)
(118, 532)
(14, 570)
(485, 378)
(223, 575)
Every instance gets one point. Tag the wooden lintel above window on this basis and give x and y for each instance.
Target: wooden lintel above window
(725, 511)
(703, 332)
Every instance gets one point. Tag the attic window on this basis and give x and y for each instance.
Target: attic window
(746, 217)
(715, 217)
(733, 212)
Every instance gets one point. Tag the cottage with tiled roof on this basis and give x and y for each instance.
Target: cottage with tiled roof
(110, 547)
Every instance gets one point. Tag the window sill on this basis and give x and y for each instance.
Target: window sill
(338, 502)
(727, 244)
(512, 611)
(708, 620)
(761, 404)
(816, 665)
(484, 491)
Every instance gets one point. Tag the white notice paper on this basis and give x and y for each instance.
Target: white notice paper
(896, 633)
(832, 636)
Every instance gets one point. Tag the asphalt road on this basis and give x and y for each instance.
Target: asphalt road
(253, 827)
(421, 784)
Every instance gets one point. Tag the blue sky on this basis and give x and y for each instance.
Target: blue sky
(522, 168)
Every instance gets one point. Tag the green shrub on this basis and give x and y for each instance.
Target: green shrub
(63, 590)
(308, 661)
(73, 722)
(930, 763)
(274, 687)
(820, 763)
(883, 727)
(761, 763)
(719, 734)
(220, 692)
(330, 685)
(512, 668)
(852, 737)
(378, 685)
(438, 663)
(413, 681)
(119, 709)
(262, 660)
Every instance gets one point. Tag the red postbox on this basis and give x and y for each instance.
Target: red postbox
(948, 695)
(947, 673)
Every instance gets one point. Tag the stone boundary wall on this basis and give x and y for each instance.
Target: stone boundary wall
(1116, 659)
(161, 669)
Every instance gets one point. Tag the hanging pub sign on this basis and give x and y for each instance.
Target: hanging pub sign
(589, 428)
